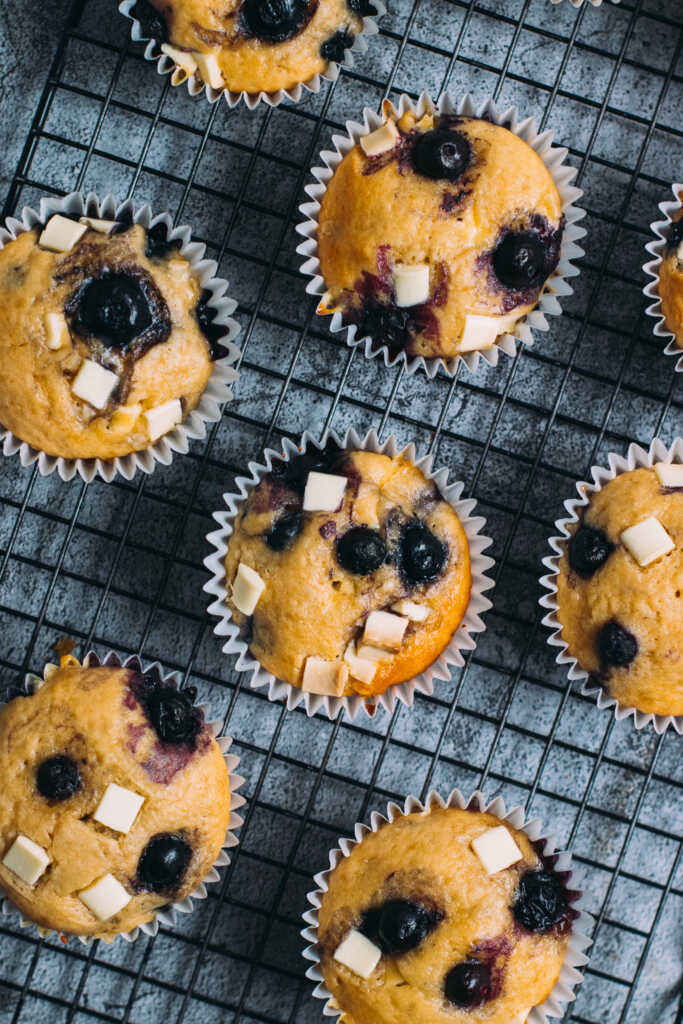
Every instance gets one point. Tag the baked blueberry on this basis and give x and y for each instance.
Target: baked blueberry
(284, 531)
(334, 47)
(294, 473)
(402, 925)
(114, 309)
(58, 778)
(519, 260)
(616, 646)
(468, 984)
(675, 235)
(541, 901)
(163, 863)
(173, 715)
(361, 7)
(214, 333)
(386, 325)
(589, 548)
(422, 555)
(273, 21)
(158, 243)
(361, 550)
(441, 154)
(152, 23)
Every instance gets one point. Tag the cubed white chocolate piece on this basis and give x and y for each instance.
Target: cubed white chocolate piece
(94, 384)
(163, 418)
(247, 588)
(326, 678)
(358, 953)
(384, 629)
(381, 140)
(496, 849)
(105, 898)
(26, 859)
(411, 283)
(324, 492)
(413, 611)
(369, 653)
(118, 808)
(95, 224)
(182, 58)
(57, 331)
(61, 234)
(363, 669)
(670, 473)
(209, 69)
(481, 331)
(647, 541)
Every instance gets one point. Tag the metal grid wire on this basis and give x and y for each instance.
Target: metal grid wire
(119, 566)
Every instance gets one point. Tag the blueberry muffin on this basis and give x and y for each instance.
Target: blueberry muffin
(671, 278)
(620, 587)
(252, 45)
(437, 234)
(444, 917)
(115, 799)
(347, 571)
(108, 339)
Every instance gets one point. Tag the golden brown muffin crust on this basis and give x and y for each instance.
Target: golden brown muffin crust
(646, 601)
(93, 716)
(671, 284)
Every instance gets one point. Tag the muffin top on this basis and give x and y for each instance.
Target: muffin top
(115, 799)
(671, 277)
(455, 937)
(436, 234)
(347, 571)
(107, 340)
(620, 589)
(252, 45)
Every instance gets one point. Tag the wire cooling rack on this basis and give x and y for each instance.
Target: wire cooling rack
(120, 566)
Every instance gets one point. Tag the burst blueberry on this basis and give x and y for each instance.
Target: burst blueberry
(152, 23)
(402, 925)
(675, 235)
(589, 549)
(468, 984)
(335, 47)
(422, 555)
(58, 778)
(386, 325)
(540, 902)
(441, 154)
(163, 863)
(284, 531)
(213, 332)
(361, 550)
(617, 647)
(273, 21)
(519, 260)
(158, 244)
(113, 308)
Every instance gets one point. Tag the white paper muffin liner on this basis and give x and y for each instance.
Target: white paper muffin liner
(553, 157)
(218, 390)
(636, 458)
(462, 639)
(195, 85)
(570, 975)
(167, 915)
(660, 228)
(578, 3)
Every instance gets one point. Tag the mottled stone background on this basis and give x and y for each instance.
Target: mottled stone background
(121, 565)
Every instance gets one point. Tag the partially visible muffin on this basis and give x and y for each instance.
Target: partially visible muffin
(671, 277)
(620, 589)
(436, 234)
(252, 45)
(115, 799)
(108, 339)
(444, 917)
(347, 571)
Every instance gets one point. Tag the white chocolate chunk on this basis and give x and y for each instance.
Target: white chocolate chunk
(26, 859)
(670, 473)
(94, 384)
(247, 588)
(209, 69)
(95, 224)
(369, 653)
(105, 898)
(381, 140)
(324, 492)
(413, 611)
(481, 331)
(411, 283)
(384, 629)
(61, 234)
(118, 808)
(647, 541)
(182, 58)
(57, 331)
(496, 849)
(358, 953)
(327, 678)
(163, 418)
(363, 669)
